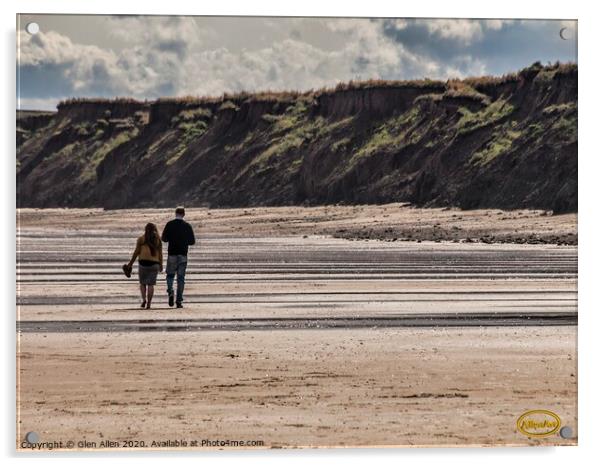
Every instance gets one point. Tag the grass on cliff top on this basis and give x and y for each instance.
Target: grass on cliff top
(457, 88)
(478, 83)
(483, 82)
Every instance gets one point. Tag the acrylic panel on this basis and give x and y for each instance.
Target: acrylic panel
(284, 232)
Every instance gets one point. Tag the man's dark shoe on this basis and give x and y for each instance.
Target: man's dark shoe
(170, 299)
(179, 305)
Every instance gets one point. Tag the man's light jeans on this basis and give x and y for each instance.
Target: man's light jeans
(176, 265)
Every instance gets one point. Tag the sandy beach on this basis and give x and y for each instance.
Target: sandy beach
(295, 333)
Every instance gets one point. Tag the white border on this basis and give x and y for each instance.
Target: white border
(590, 172)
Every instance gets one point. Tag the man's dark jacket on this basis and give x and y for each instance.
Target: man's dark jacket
(179, 235)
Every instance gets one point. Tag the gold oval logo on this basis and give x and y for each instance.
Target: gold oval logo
(538, 423)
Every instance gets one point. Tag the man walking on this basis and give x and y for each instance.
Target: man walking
(178, 233)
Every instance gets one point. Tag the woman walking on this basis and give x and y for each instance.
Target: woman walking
(150, 262)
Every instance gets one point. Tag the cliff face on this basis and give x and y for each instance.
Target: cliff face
(507, 142)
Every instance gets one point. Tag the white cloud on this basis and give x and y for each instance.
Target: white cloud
(464, 30)
(465, 65)
(175, 33)
(398, 24)
(54, 48)
(174, 56)
(497, 24)
(85, 67)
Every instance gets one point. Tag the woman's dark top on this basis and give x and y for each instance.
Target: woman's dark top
(147, 263)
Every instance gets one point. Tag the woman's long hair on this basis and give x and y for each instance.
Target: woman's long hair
(151, 237)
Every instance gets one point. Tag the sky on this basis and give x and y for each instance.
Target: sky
(147, 57)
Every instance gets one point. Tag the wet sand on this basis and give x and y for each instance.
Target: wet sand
(293, 337)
